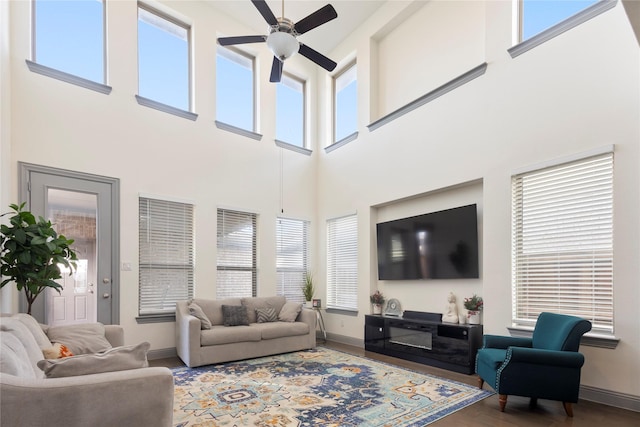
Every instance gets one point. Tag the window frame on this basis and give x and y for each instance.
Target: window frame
(305, 115)
(334, 104)
(253, 269)
(234, 51)
(281, 286)
(525, 322)
(334, 294)
(158, 105)
(163, 207)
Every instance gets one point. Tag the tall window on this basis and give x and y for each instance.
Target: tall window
(237, 255)
(235, 93)
(292, 255)
(539, 15)
(342, 263)
(163, 59)
(563, 242)
(166, 258)
(345, 103)
(290, 117)
(69, 36)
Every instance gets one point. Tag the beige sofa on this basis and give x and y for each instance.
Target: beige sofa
(197, 346)
(140, 397)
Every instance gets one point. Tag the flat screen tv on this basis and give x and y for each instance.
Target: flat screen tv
(437, 245)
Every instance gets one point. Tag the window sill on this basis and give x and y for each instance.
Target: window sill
(569, 23)
(589, 339)
(343, 141)
(156, 318)
(292, 147)
(166, 108)
(68, 78)
(343, 311)
(239, 131)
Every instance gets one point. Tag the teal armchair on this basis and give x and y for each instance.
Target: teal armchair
(545, 366)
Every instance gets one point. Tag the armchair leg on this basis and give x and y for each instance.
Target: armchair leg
(568, 408)
(533, 402)
(502, 399)
(480, 382)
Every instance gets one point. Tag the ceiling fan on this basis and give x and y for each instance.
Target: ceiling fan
(282, 37)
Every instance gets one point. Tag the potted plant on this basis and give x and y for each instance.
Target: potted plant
(377, 300)
(474, 307)
(308, 289)
(31, 254)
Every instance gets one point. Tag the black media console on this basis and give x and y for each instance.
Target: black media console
(422, 337)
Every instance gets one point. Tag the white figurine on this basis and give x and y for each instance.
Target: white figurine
(451, 314)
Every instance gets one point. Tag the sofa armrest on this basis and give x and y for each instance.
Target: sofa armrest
(187, 335)
(503, 342)
(309, 317)
(114, 334)
(107, 399)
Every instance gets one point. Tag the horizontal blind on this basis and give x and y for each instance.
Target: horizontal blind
(237, 255)
(342, 263)
(166, 256)
(292, 253)
(563, 242)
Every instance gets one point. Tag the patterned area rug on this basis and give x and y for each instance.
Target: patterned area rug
(316, 387)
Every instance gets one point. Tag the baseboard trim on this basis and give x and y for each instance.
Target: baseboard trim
(611, 398)
(342, 339)
(162, 353)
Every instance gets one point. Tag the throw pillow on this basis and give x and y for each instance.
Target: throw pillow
(58, 351)
(234, 315)
(80, 339)
(265, 315)
(115, 359)
(195, 310)
(289, 312)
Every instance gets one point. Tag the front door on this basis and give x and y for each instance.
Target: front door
(82, 207)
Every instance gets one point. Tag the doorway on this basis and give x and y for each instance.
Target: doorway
(85, 208)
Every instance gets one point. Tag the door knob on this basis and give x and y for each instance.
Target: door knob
(106, 280)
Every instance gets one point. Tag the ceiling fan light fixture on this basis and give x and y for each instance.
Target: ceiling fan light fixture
(283, 45)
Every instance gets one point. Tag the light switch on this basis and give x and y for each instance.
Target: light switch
(126, 266)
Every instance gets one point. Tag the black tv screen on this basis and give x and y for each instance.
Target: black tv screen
(438, 245)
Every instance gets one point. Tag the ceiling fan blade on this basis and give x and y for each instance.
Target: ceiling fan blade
(276, 70)
(226, 41)
(265, 11)
(317, 18)
(317, 57)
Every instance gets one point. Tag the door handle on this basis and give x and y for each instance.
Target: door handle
(106, 280)
(105, 295)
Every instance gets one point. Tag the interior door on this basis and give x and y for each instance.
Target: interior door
(84, 208)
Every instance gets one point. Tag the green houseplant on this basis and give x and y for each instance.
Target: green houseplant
(308, 289)
(31, 254)
(377, 300)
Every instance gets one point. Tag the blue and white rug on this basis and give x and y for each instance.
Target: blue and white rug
(310, 388)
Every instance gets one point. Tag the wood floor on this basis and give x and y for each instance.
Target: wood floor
(486, 412)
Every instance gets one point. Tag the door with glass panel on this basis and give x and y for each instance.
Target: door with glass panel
(81, 208)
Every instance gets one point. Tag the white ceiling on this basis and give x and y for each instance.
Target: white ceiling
(351, 14)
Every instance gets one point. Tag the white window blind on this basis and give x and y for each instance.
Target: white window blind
(237, 265)
(292, 254)
(342, 263)
(563, 242)
(166, 257)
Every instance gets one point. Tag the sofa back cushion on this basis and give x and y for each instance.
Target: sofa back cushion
(34, 327)
(212, 308)
(85, 338)
(275, 302)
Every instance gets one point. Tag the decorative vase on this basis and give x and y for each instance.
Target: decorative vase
(377, 308)
(474, 317)
(308, 304)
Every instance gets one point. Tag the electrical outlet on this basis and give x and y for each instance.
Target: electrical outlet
(126, 266)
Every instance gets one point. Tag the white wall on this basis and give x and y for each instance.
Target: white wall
(576, 92)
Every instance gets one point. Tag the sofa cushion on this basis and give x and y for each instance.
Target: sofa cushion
(222, 335)
(84, 338)
(290, 311)
(13, 356)
(252, 303)
(234, 315)
(114, 359)
(212, 308)
(282, 329)
(266, 315)
(34, 327)
(22, 333)
(196, 310)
